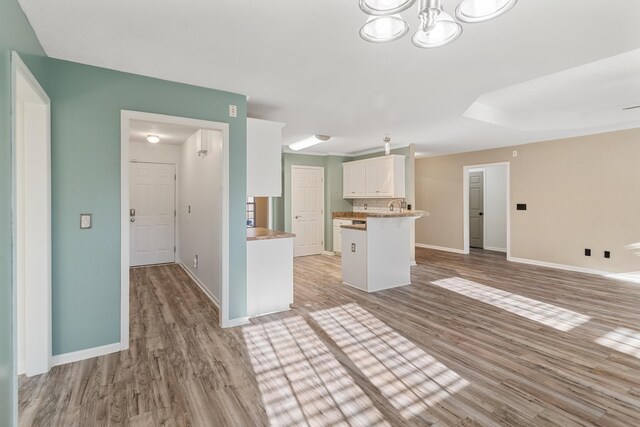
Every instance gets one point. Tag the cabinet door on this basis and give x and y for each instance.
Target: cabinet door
(373, 178)
(353, 180)
(386, 177)
(358, 179)
(337, 242)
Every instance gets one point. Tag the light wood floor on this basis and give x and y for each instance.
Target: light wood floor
(474, 341)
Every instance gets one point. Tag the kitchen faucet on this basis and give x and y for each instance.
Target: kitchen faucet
(390, 205)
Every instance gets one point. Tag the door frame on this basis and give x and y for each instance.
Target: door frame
(37, 302)
(465, 202)
(176, 240)
(125, 118)
(320, 168)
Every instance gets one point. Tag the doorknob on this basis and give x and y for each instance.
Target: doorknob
(132, 220)
(298, 216)
(480, 214)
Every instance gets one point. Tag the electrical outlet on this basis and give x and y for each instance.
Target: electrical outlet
(233, 111)
(587, 252)
(365, 206)
(353, 247)
(515, 153)
(607, 254)
(195, 262)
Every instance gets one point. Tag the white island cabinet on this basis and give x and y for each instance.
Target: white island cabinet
(376, 255)
(269, 271)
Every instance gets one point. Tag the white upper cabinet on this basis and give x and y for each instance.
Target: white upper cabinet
(264, 158)
(379, 177)
(354, 180)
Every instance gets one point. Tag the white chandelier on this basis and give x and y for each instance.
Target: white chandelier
(437, 28)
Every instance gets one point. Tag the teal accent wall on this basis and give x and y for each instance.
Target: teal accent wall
(86, 103)
(333, 200)
(15, 34)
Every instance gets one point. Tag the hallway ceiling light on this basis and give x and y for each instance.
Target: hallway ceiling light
(437, 28)
(308, 142)
(153, 139)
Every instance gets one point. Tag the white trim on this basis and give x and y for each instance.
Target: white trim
(125, 117)
(559, 266)
(440, 248)
(328, 253)
(413, 264)
(40, 299)
(491, 248)
(76, 356)
(465, 202)
(239, 321)
(202, 287)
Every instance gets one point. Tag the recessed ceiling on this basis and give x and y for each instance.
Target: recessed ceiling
(169, 133)
(304, 64)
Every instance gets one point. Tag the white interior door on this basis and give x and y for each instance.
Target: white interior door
(307, 209)
(476, 207)
(152, 213)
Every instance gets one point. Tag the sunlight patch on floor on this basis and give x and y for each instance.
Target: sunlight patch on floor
(538, 311)
(405, 374)
(623, 340)
(300, 380)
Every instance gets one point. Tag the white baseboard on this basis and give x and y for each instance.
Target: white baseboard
(21, 368)
(492, 248)
(238, 321)
(440, 248)
(63, 359)
(413, 263)
(329, 253)
(558, 266)
(201, 285)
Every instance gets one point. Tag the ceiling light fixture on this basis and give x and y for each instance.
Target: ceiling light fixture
(153, 139)
(437, 28)
(308, 142)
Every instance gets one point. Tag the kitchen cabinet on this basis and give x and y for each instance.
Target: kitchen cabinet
(264, 158)
(337, 234)
(379, 177)
(354, 180)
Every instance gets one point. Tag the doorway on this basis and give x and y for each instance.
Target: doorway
(486, 210)
(307, 209)
(32, 221)
(152, 213)
(203, 149)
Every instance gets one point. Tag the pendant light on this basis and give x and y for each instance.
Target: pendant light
(387, 146)
(385, 7)
(381, 29)
(437, 28)
(482, 10)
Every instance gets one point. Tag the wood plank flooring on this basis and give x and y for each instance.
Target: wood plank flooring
(474, 341)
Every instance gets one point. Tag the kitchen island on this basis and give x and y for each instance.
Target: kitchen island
(376, 255)
(269, 271)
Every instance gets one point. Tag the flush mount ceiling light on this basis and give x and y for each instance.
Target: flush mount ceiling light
(308, 142)
(153, 139)
(437, 28)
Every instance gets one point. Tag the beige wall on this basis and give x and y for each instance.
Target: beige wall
(580, 193)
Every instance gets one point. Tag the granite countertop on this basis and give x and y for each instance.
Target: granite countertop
(379, 214)
(260, 233)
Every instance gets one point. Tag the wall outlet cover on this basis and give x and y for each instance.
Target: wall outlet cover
(233, 111)
(85, 221)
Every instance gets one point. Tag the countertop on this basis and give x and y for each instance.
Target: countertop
(372, 214)
(260, 233)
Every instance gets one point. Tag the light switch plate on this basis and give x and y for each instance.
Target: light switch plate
(85, 221)
(233, 111)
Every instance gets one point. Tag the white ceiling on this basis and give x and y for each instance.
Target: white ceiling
(303, 63)
(169, 133)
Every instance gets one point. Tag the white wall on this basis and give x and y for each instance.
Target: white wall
(495, 208)
(20, 238)
(155, 153)
(200, 186)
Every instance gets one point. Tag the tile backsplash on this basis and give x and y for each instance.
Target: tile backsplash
(373, 205)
